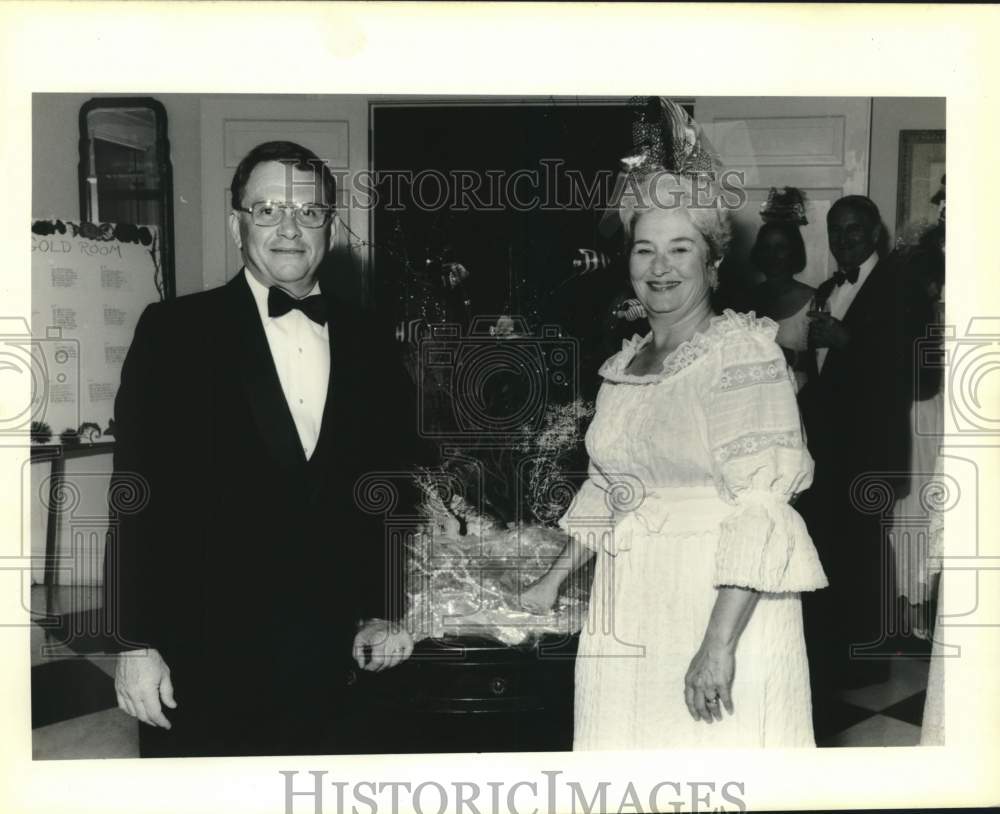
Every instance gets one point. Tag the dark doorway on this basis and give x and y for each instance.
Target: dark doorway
(536, 178)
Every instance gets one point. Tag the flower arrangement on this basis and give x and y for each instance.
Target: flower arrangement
(488, 532)
(41, 433)
(123, 232)
(469, 583)
(554, 459)
(87, 433)
(69, 437)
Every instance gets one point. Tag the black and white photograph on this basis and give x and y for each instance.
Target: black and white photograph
(379, 426)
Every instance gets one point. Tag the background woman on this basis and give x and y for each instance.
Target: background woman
(695, 632)
(779, 253)
(922, 269)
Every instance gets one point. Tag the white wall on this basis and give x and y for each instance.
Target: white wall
(889, 116)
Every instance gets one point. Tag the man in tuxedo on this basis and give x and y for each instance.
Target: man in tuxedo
(856, 411)
(245, 573)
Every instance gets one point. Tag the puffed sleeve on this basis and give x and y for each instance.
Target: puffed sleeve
(590, 515)
(760, 463)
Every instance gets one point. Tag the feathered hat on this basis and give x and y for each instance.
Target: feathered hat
(787, 206)
(664, 139)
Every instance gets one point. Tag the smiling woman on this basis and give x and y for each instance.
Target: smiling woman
(695, 452)
(677, 230)
(669, 263)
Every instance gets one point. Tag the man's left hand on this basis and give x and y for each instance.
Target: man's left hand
(827, 332)
(379, 645)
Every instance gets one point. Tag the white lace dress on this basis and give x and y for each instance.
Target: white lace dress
(690, 477)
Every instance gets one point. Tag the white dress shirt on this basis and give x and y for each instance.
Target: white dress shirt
(843, 295)
(301, 352)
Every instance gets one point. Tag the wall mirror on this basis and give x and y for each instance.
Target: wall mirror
(125, 170)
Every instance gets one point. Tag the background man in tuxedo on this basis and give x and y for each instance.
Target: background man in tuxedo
(856, 411)
(250, 575)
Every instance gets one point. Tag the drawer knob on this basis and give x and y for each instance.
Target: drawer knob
(498, 686)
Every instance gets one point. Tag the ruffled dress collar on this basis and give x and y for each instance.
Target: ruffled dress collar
(688, 352)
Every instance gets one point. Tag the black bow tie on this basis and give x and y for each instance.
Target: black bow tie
(280, 303)
(846, 276)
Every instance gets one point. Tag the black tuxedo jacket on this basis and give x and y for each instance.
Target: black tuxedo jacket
(244, 564)
(856, 411)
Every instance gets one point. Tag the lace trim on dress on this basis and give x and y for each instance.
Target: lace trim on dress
(756, 442)
(754, 373)
(688, 352)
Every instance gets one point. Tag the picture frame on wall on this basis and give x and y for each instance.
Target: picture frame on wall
(921, 173)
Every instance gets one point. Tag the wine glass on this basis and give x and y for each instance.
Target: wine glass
(816, 308)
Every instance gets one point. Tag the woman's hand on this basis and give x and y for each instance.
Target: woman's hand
(709, 680)
(541, 596)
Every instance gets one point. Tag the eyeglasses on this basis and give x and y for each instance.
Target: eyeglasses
(271, 213)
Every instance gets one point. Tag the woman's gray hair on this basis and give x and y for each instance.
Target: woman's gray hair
(700, 195)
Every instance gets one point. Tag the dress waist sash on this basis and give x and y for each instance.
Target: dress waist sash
(666, 511)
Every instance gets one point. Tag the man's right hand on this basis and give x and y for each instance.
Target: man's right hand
(142, 681)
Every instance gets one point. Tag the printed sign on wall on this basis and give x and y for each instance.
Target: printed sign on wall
(89, 284)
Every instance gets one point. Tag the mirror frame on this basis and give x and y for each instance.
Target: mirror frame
(163, 165)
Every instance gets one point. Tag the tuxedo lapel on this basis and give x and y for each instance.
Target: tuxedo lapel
(869, 291)
(857, 312)
(343, 384)
(259, 376)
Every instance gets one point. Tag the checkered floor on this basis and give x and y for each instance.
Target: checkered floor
(886, 714)
(74, 711)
